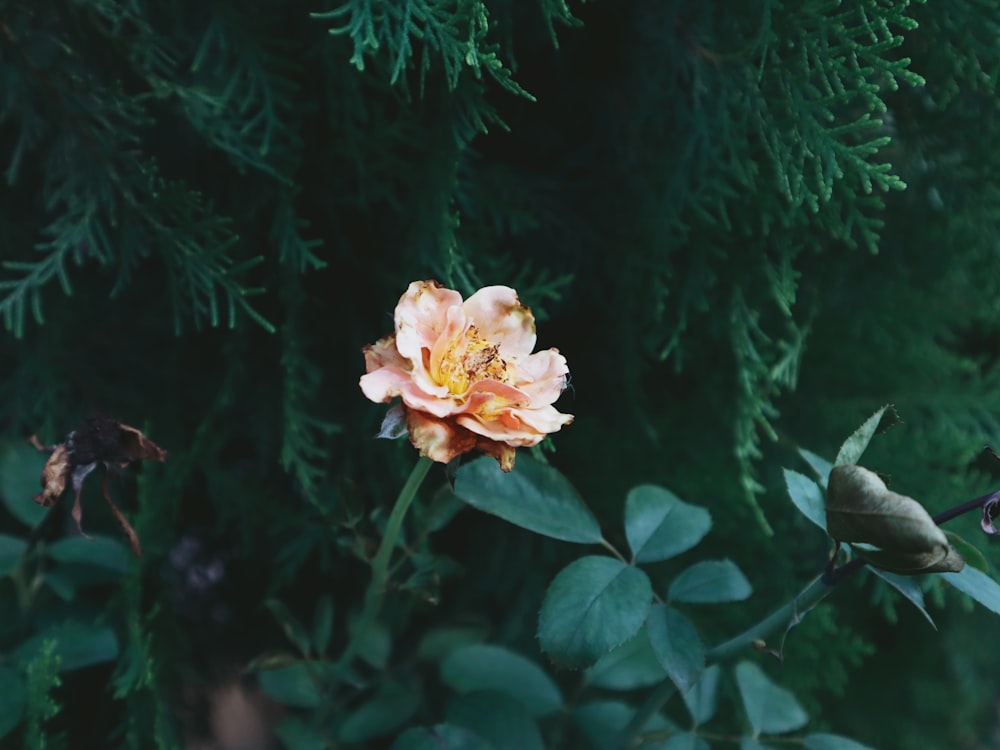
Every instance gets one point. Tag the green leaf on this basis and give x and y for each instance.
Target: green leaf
(20, 472)
(807, 497)
(293, 629)
(684, 741)
(978, 585)
(860, 509)
(322, 628)
(909, 588)
(500, 720)
(710, 582)
(855, 445)
(291, 686)
(601, 722)
(381, 715)
(701, 699)
(78, 645)
(593, 604)
(831, 742)
(295, 734)
(11, 549)
(659, 525)
(440, 737)
(676, 645)
(751, 743)
(485, 667)
(533, 496)
(375, 646)
(13, 696)
(969, 552)
(769, 708)
(439, 642)
(818, 464)
(100, 551)
(629, 666)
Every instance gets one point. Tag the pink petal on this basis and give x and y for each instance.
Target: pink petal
(502, 319)
(420, 317)
(547, 419)
(449, 341)
(542, 376)
(384, 383)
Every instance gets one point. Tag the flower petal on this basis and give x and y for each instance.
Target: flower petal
(383, 353)
(439, 439)
(543, 376)
(502, 319)
(383, 384)
(420, 317)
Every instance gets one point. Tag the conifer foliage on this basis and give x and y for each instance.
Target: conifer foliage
(746, 225)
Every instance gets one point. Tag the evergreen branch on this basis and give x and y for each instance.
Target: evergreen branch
(454, 32)
(294, 251)
(304, 450)
(241, 98)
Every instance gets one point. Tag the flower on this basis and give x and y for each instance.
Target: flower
(466, 374)
(101, 441)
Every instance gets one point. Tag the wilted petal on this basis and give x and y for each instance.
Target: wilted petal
(991, 508)
(502, 319)
(383, 353)
(466, 374)
(54, 476)
(438, 439)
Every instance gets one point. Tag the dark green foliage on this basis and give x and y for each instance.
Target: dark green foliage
(747, 226)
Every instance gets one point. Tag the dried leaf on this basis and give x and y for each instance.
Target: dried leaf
(991, 508)
(133, 538)
(891, 531)
(134, 446)
(54, 476)
(102, 441)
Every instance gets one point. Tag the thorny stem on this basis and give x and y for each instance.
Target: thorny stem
(814, 592)
(380, 564)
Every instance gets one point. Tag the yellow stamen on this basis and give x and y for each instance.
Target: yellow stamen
(469, 360)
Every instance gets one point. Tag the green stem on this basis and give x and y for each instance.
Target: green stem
(380, 564)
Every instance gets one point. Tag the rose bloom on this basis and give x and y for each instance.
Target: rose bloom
(466, 374)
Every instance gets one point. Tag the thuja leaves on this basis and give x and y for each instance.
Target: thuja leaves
(889, 530)
(13, 696)
(593, 605)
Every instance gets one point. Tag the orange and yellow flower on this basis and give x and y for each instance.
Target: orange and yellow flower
(466, 373)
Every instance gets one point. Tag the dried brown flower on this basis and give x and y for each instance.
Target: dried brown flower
(101, 441)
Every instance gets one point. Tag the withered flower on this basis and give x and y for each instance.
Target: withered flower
(101, 441)
(466, 374)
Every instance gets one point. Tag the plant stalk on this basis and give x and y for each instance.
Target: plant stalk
(380, 563)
